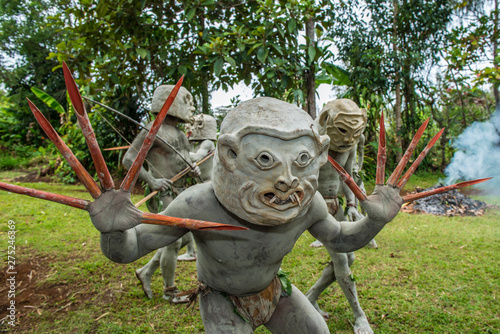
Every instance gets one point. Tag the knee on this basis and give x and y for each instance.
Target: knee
(175, 246)
(350, 258)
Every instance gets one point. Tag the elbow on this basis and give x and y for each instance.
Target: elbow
(116, 247)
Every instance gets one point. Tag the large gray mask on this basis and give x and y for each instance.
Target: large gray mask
(204, 127)
(267, 162)
(183, 105)
(344, 122)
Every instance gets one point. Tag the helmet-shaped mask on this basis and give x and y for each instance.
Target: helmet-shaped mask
(267, 163)
(183, 105)
(344, 122)
(204, 127)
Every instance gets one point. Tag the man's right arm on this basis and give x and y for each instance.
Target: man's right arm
(159, 184)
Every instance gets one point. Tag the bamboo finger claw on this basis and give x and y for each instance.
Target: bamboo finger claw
(88, 132)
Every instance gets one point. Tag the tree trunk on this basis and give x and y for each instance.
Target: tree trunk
(443, 141)
(495, 59)
(310, 73)
(397, 103)
(205, 96)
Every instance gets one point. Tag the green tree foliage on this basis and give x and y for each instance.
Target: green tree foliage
(121, 50)
(264, 46)
(25, 42)
(387, 46)
(473, 48)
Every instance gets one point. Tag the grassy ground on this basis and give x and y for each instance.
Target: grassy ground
(430, 275)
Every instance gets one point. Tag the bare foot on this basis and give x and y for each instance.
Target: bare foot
(145, 282)
(316, 244)
(172, 295)
(361, 326)
(186, 257)
(180, 299)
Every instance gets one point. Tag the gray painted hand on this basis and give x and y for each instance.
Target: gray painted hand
(384, 204)
(195, 172)
(113, 211)
(160, 184)
(353, 214)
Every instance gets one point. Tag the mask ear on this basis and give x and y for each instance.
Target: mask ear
(365, 115)
(227, 151)
(325, 144)
(323, 121)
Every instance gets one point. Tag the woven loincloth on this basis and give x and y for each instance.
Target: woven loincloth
(255, 309)
(332, 202)
(258, 309)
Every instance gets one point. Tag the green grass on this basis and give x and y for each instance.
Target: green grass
(430, 275)
(10, 174)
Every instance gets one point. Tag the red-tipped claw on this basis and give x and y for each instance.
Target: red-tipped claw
(417, 162)
(348, 180)
(381, 156)
(192, 224)
(404, 160)
(131, 177)
(66, 200)
(77, 102)
(80, 171)
(413, 197)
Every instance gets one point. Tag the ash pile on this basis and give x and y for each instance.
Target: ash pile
(451, 203)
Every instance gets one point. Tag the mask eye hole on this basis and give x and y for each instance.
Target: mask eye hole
(342, 131)
(232, 154)
(303, 159)
(265, 160)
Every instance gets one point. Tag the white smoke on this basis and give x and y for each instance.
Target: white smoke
(478, 155)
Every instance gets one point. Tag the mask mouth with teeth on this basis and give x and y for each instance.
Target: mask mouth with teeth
(279, 202)
(267, 162)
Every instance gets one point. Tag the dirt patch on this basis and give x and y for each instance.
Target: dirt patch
(35, 294)
(30, 295)
(34, 176)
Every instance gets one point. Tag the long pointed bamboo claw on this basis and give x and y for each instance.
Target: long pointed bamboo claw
(66, 200)
(83, 119)
(131, 177)
(417, 162)
(348, 180)
(192, 224)
(413, 197)
(80, 171)
(381, 156)
(404, 160)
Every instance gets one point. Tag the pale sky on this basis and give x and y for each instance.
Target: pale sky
(221, 98)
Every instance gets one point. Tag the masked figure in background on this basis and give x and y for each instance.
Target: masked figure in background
(163, 164)
(265, 180)
(202, 135)
(344, 122)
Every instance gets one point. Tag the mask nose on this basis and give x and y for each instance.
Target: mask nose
(285, 183)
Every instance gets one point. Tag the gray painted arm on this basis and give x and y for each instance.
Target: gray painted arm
(144, 175)
(360, 148)
(123, 238)
(205, 147)
(381, 207)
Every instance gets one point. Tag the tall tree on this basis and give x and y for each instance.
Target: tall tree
(400, 39)
(473, 45)
(25, 42)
